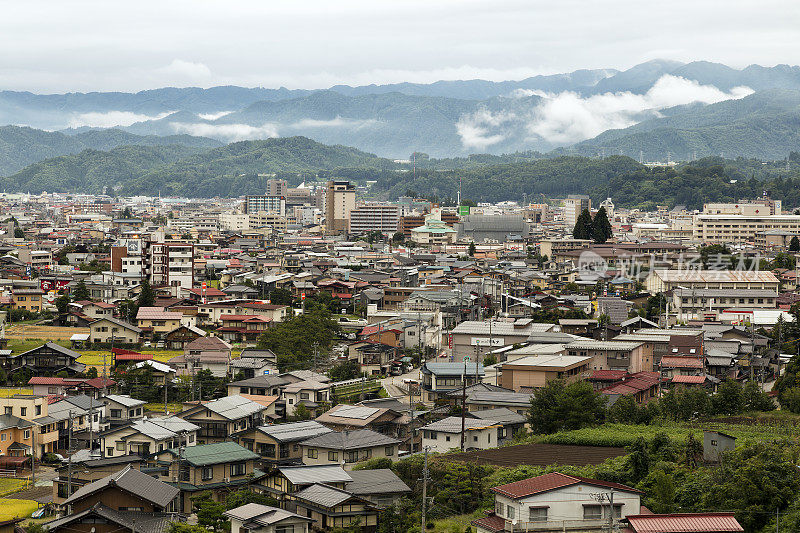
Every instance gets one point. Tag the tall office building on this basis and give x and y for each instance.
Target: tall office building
(368, 217)
(340, 200)
(276, 187)
(574, 205)
(269, 204)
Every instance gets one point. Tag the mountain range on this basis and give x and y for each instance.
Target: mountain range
(656, 110)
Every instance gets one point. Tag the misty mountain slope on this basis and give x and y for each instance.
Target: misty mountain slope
(763, 125)
(23, 146)
(90, 171)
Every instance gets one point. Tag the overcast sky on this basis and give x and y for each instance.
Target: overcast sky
(81, 45)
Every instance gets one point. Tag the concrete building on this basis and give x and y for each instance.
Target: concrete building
(726, 229)
(340, 200)
(445, 434)
(473, 338)
(171, 264)
(534, 372)
(574, 204)
(498, 228)
(689, 304)
(375, 217)
(275, 205)
(662, 280)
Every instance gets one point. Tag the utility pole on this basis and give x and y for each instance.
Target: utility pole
(91, 433)
(69, 451)
(166, 382)
(463, 402)
(611, 511)
(33, 454)
(425, 488)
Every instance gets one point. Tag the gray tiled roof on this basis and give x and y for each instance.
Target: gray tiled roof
(452, 424)
(306, 475)
(262, 515)
(451, 369)
(132, 481)
(295, 431)
(378, 481)
(234, 407)
(502, 415)
(124, 400)
(323, 495)
(133, 520)
(500, 398)
(350, 440)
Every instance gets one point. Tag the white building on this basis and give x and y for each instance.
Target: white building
(557, 502)
(369, 217)
(235, 222)
(445, 434)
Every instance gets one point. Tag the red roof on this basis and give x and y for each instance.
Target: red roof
(43, 380)
(210, 291)
(552, 481)
(133, 356)
(123, 351)
(491, 523)
(689, 379)
(681, 362)
(684, 523)
(97, 383)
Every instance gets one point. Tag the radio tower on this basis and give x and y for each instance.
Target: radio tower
(641, 157)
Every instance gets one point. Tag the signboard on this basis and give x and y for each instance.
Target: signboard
(486, 341)
(302, 296)
(48, 285)
(463, 210)
(450, 341)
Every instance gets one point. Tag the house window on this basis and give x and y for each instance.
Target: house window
(8, 410)
(238, 469)
(312, 453)
(38, 410)
(284, 529)
(304, 396)
(333, 456)
(116, 413)
(121, 446)
(207, 473)
(23, 411)
(713, 442)
(510, 510)
(52, 390)
(592, 512)
(389, 451)
(27, 434)
(537, 514)
(110, 451)
(498, 508)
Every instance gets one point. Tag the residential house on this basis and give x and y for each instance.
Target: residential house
(280, 443)
(517, 402)
(261, 385)
(48, 359)
(257, 518)
(439, 379)
(346, 448)
(178, 338)
(162, 373)
(253, 362)
(27, 299)
(380, 486)
(345, 417)
(614, 355)
(121, 408)
(242, 328)
(534, 372)
(219, 419)
(102, 519)
(87, 469)
(314, 395)
(511, 422)
(126, 490)
(143, 437)
(16, 436)
(556, 502)
(204, 353)
(444, 435)
(219, 468)
(331, 507)
(285, 480)
(155, 322)
(113, 331)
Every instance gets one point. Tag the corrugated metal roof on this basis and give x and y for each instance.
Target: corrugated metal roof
(323, 495)
(354, 411)
(234, 407)
(378, 481)
(294, 431)
(685, 523)
(552, 481)
(452, 424)
(452, 369)
(350, 440)
(134, 482)
(211, 454)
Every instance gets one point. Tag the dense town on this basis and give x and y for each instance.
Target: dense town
(314, 360)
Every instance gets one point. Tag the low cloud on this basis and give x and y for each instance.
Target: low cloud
(109, 119)
(185, 70)
(227, 132)
(483, 128)
(214, 116)
(568, 117)
(337, 122)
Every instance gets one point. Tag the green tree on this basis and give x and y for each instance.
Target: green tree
(345, 370)
(281, 297)
(601, 227)
(301, 412)
(755, 399)
(558, 406)
(91, 372)
(293, 341)
(80, 292)
(662, 492)
(794, 244)
(471, 250)
(729, 399)
(583, 226)
(146, 296)
(62, 304)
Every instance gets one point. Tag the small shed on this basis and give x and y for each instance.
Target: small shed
(715, 444)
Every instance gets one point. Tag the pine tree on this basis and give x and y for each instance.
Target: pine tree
(80, 292)
(794, 244)
(583, 226)
(601, 227)
(146, 296)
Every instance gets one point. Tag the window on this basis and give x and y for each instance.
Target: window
(333, 456)
(592, 512)
(284, 529)
(617, 512)
(312, 453)
(238, 469)
(23, 411)
(207, 473)
(27, 434)
(131, 412)
(3, 437)
(304, 396)
(8, 410)
(389, 451)
(713, 442)
(537, 514)
(50, 390)
(510, 510)
(116, 413)
(121, 446)
(447, 438)
(110, 451)
(498, 508)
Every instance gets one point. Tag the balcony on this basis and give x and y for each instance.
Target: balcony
(557, 525)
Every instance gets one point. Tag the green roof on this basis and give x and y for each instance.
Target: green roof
(212, 454)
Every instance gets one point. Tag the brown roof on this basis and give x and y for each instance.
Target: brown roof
(208, 344)
(491, 523)
(684, 523)
(682, 362)
(552, 481)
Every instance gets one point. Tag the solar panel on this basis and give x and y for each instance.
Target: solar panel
(355, 411)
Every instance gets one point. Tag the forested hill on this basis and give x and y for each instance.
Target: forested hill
(23, 146)
(230, 170)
